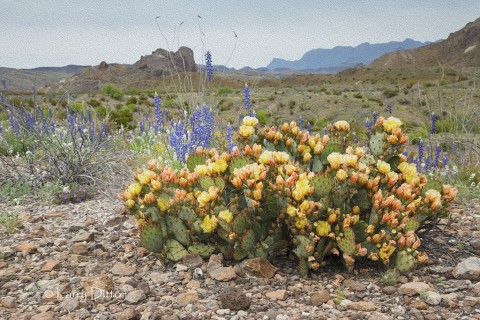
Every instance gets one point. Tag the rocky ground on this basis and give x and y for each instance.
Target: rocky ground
(57, 265)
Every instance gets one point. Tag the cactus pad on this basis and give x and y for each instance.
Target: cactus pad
(322, 185)
(151, 238)
(301, 249)
(175, 250)
(330, 148)
(248, 240)
(432, 184)
(239, 224)
(347, 246)
(405, 262)
(219, 183)
(316, 165)
(186, 213)
(239, 253)
(195, 160)
(204, 250)
(348, 234)
(178, 230)
(303, 267)
(206, 182)
(411, 225)
(237, 163)
(376, 144)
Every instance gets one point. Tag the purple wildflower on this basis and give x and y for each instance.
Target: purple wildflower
(229, 137)
(355, 137)
(445, 159)
(368, 125)
(209, 66)
(2, 100)
(374, 118)
(427, 164)
(309, 127)
(420, 149)
(437, 156)
(4, 84)
(248, 104)
(389, 108)
(158, 112)
(405, 153)
(325, 131)
(301, 123)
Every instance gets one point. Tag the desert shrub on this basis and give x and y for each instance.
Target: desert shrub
(94, 103)
(74, 193)
(123, 117)
(262, 117)
(389, 93)
(281, 188)
(10, 222)
(132, 100)
(113, 91)
(223, 91)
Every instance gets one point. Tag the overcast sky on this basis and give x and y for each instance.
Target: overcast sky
(60, 32)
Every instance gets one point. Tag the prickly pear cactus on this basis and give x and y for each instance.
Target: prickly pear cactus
(405, 262)
(411, 225)
(175, 250)
(206, 182)
(322, 185)
(195, 160)
(204, 250)
(151, 238)
(376, 144)
(178, 230)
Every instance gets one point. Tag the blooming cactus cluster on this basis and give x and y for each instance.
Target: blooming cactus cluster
(318, 194)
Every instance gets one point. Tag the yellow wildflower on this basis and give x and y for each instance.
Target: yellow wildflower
(391, 124)
(129, 204)
(386, 251)
(302, 188)
(135, 188)
(250, 121)
(203, 199)
(323, 228)
(292, 211)
(335, 159)
(219, 166)
(265, 156)
(342, 125)
(226, 215)
(350, 159)
(202, 169)
(301, 223)
(209, 224)
(341, 175)
(281, 157)
(163, 204)
(383, 167)
(246, 131)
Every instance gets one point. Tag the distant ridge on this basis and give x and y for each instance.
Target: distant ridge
(460, 49)
(71, 69)
(343, 57)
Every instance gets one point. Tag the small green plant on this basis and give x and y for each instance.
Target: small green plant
(9, 221)
(12, 190)
(340, 296)
(113, 91)
(423, 295)
(390, 277)
(223, 91)
(439, 280)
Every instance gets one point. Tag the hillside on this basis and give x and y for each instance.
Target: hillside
(461, 49)
(343, 57)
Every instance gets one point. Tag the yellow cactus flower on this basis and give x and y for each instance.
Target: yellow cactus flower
(250, 121)
(292, 211)
(201, 169)
(156, 185)
(391, 124)
(163, 204)
(409, 171)
(265, 157)
(335, 159)
(342, 125)
(203, 199)
(149, 198)
(209, 224)
(350, 159)
(301, 223)
(432, 196)
(323, 228)
(219, 166)
(129, 204)
(281, 157)
(226, 215)
(386, 251)
(302, 188)
(246, 131)
(383, 167)
(135, 188)
(341, 175)
(307, 157)
(307, 206)
(143, 178)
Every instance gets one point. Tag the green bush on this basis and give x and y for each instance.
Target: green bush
(223, 91)
(113, 91)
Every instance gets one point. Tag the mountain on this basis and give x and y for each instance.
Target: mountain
(343, 57)
(460, 49)
(22, 80)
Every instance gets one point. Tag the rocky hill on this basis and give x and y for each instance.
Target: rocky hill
(460, 49)
(343, 57)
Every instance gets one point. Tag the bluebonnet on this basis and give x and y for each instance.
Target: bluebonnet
(209, 66)
(355, 137)
(434, 123)
(309, 127)
(454, 147)
(445, 159)
(420, 149)
(437, 156)
(178, 137)
(248, 104)
(325, 131)
(368, 125)
(427, 164)
(202, 122)
(4, 84)
(2, 100)
(389, 108)
(374, 118)
(229, 137)
(405, 153)
(240, 117)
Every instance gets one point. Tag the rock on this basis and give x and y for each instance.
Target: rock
(378, 316)
(122, 269)
(9, 302)
(135, 297)
(419, 304)
(77, 226)
(50, 265)
(234, 299)
(215, 262)
(476, 288)
(355, 285)
(319, 298)
(389, 290)
(413, 288)
(468, 269)
(27, 248)
(44, 316)
(83, 235)
(69, 304)
(103, 66)
(362, 306)
(433, 298)
(277, 295)
(192, 260)
(79, 248)
(193, 284)
(77, 258)
(223, 274)
(258, 267)
(94, 286)
(165, 62)
(190, 297)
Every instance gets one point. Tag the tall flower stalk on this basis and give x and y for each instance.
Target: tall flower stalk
(209, 66)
